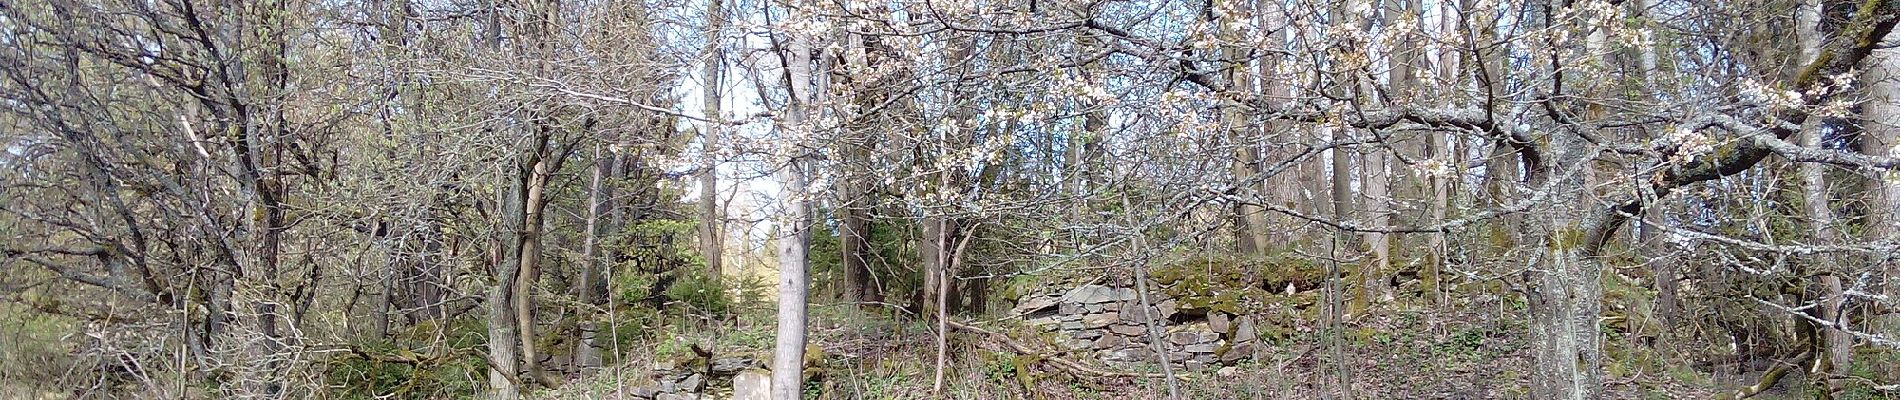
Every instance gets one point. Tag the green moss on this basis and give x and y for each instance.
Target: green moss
(1568, 239)
(1234, 285)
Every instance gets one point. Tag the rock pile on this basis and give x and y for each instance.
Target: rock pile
(676, 382)
(1108, 323)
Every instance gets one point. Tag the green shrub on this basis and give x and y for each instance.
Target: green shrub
(701, 293)
(392, 369)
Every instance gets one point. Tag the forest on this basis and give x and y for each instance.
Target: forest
(962, 199)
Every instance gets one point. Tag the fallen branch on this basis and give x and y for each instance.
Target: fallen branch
(1066, 365)
(1768, 379)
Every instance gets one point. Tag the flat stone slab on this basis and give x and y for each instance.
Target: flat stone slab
(1192, 337)
(1097, 294)
(1128, 330)
(724, 366)
(1035, 304)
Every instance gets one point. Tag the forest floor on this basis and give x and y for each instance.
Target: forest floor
(1393, 353)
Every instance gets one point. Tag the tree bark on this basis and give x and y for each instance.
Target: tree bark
(711, 247)
(1565, 284)
(1820, 214)
(587, 352)
(1881, 136)
(530, 273)
(788, 355)
(503, 332)
(1249, 220)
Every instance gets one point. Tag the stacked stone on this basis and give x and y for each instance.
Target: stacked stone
(675, 383)
(1108, 322)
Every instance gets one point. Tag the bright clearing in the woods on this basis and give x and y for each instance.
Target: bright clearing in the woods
(956, 199)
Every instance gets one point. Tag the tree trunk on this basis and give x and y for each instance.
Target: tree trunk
(1564, 283)
(789, 354)
(1820, 215)
(503, 339)
(711, 247)
(1881, 136)
(587, 353)
(854, 231)
(931, 250)
(530, 273)
(505, 256)
(1249, 219)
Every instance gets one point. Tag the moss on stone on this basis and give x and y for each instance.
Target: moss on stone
(1234, 285)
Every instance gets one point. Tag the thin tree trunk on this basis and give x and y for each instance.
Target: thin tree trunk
(789, 354)
(1820, 215)
(710, 244)
(854, 231)
(587, 353)
(1249, 220)
(503, 339)
(942, 310)
(530, 272)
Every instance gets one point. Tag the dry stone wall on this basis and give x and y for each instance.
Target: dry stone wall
(696, 380)
(1108, 324)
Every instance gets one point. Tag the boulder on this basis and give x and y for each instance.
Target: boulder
(692, 383)
(1218, 322)
(1244, 330)
(1167, 308)
(1238, 351)
(1134, 314)
(643, 392)
(1204, 358)
(1207, 348)
(752, 384)
(1096, 321)
(1087, 334)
